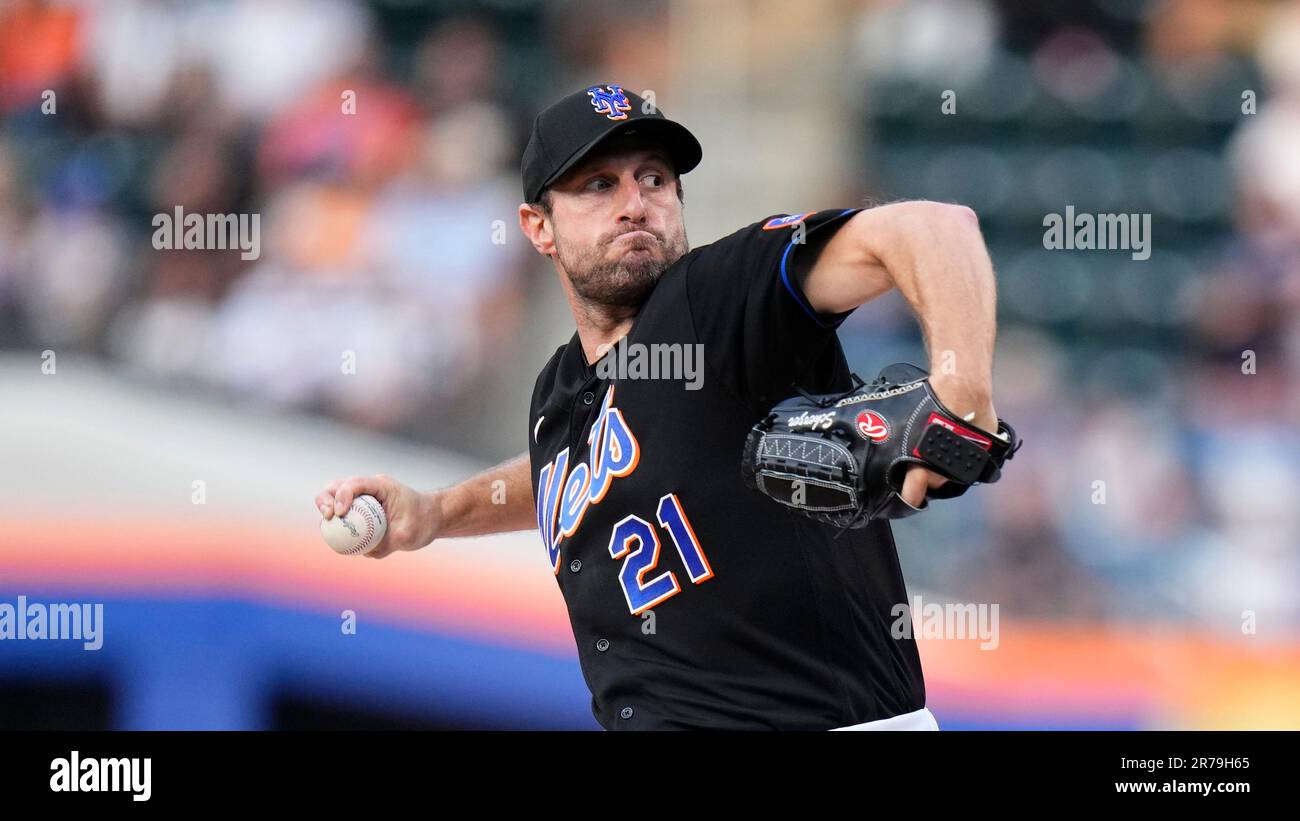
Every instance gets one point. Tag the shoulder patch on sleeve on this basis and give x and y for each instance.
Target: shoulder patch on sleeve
(786, 222)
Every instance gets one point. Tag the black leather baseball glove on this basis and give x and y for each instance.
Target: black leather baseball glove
(840, 458)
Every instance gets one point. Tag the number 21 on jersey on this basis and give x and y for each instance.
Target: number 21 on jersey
(636, 542)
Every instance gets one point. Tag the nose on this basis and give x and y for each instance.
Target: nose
(631, 204)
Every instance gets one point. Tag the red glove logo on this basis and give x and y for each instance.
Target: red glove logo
(873, 426)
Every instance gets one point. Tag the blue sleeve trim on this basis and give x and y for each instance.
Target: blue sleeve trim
(795, 292)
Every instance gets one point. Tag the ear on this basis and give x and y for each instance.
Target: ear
(537, 227)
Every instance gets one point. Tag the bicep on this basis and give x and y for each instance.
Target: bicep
(847, 272)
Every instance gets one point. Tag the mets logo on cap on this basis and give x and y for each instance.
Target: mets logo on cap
(610, 101)
(871, 425)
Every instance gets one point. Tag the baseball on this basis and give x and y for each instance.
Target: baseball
(356, 532)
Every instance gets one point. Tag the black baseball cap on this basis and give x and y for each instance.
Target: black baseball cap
(567, 131)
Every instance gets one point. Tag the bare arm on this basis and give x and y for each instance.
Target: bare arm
(934, 255)
(497, 500)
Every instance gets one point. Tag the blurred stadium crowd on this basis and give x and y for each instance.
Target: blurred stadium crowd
(237, 107)
(377, 236)
(1128, 373)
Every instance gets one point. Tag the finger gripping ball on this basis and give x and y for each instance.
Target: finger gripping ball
(358, 531)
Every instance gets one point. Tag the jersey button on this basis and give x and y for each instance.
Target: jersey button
(602, 644)
(575, 565)
(625, 713)
(588, 398)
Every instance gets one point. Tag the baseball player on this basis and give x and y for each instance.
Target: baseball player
(696, 603)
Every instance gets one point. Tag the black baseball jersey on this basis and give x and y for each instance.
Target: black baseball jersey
(695, 602)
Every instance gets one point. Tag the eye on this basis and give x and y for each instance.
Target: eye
(596, 184)
(656, 178)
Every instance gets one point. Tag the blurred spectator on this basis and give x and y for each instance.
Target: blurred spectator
(135, 51)
(267, 54)
(1247, 452)
(71, 269)
(1252, 298)
(928, 40)
(457, 62)
(39, 47)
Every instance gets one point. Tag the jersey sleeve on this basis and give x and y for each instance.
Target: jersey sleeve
(747, 304)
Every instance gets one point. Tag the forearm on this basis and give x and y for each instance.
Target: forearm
(497, 500)
(937, 259)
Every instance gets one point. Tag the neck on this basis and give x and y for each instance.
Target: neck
(599, 326)
(598, 329)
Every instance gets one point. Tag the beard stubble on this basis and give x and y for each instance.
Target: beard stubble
(621, 285)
